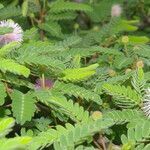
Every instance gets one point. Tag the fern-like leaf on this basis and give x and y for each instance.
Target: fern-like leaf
(23, 106)
(31, 34)
(136, 136)
(7, 48)
(5, 126)
(86, 52)
(56, 101)
(52, 27)
(69, 41)
(124, 116)
(142, 51)
(62, 6)
(15, 143)
(121, 62)
(13, 67)
(11, 79)
(61, 16)
(123, 96)
(41, 61)
(138, 81)
(120, 78)
(115, 26)
(68, 137)
(5, 30)
(2, 93)
(79, 74)
(77, 91)
(9, 12)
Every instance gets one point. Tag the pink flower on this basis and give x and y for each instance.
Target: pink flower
(46, 84)
(116, 10)
(146, 103)
(16, 35)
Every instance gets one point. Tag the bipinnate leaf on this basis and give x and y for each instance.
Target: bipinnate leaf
(17, 143)
(23, 106)
(13, 67)
(2, 93)
(5, 126)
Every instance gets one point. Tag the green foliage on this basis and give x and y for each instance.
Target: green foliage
(3, 93)
(79, 79)
(139, 50)
(122, 117)
(25, 8)
(123, 96)
(4, 30)
(52, 27)
(42, 123)
(31, 34)
(23, 106)
(9, 64)
(8, 48)
(101, 10)
(15, 143)
(136, 136)
(42, 61)
(56, 101)
(87, 52)
(61, 16)
(71, 135)
(120, 78)
(37, 56)
(77, 91)
(8, 12)
(122, 62)
(138, 39)
(5, 126)
(138, 81)
(69, 42)
(60, 6)
(115, 26)
(79, 74)
(13, 67)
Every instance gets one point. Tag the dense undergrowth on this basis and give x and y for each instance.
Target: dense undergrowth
(74, 75)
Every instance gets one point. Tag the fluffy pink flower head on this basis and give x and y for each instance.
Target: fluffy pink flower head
(46, 84)
(116, 10)
(146, 103)
(15, 35)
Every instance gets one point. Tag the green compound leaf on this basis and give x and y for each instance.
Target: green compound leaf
(61, 6)
(65, 138)
(78, 92)
(9, 47)
(124, 97)
(5, 126)
(17, 143)
(68, 107)
(2, 93)
(5, 30)
(23, 106)
(79, 74)
(13, 67)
